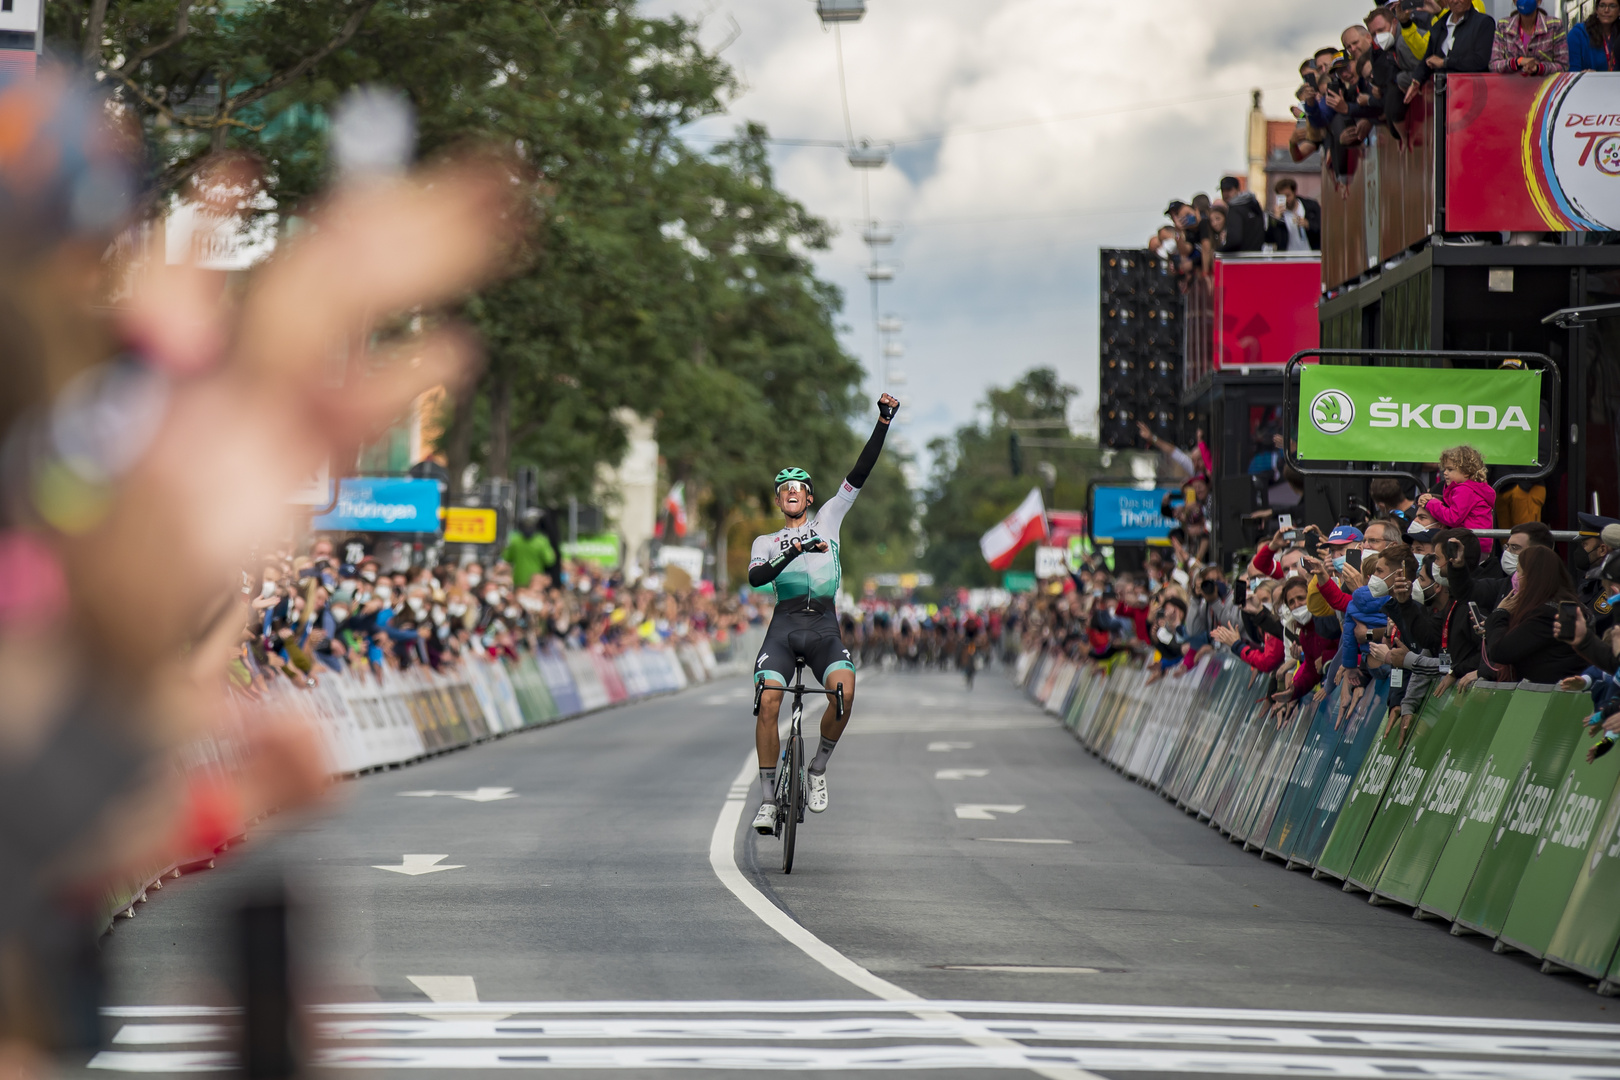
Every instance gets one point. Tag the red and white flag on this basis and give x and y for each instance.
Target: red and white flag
(1014, 532)
(675, 507)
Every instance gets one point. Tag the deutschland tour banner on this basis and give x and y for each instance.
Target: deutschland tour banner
(1533, 154)
(1412, 414)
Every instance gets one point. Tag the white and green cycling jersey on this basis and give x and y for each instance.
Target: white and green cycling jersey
(815, 574)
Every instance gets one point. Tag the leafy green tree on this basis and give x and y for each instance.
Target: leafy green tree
(972, 485)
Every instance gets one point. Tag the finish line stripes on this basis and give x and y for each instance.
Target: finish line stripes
(758, 1036)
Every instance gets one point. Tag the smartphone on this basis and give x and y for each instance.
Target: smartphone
(1352, 559)
(1240, 593)
(1566, 620)
(1312, 544)
(1477, 616)
(1285, 522)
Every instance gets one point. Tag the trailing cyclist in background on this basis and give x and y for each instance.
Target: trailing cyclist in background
(800, 561)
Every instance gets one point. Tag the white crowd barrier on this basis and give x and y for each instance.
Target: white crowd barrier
(369, 722)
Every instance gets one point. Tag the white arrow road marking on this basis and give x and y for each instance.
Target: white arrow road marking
(1018, 840)
(723, 861)
(452, 990)
(947, 747)
(414, 865)
(483, 794)
(983, 811)
(960, 774)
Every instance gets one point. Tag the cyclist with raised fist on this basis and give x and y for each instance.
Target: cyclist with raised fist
(800, 561)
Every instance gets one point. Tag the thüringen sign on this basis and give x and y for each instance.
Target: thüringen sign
(1412, 414)
(382, 504)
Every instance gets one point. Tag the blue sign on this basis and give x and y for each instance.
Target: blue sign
(382, 504)
(1123, 515)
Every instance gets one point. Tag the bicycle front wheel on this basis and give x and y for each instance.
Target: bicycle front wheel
(792, 807)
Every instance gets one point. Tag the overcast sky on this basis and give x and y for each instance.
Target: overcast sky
(998, 230)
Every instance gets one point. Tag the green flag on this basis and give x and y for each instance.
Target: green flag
(1412, 414)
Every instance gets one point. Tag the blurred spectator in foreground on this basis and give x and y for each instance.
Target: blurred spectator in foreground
(170, 432)
(1594, 45)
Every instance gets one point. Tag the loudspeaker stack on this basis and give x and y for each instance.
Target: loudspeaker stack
(1139, 359)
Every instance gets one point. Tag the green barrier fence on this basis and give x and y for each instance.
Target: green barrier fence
(1555, 863)
(1434, 816)
(1585, 938)
(1485, 905)
(1425, 743)
(1482, 805)
(1485, 813)
(1356, 734)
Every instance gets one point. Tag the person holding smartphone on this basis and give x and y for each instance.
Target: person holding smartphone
(1521, 638)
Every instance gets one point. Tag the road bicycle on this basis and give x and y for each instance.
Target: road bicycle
(790, 781)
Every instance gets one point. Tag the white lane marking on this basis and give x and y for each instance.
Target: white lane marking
(947, 747)
(983, 811)
(854, 1028)
(751, 1007)
(960, 774)
(943, 724)
(415, 865)
(169, 1034)
(888, 1058)
(483, 794)
(451, 990)
(724, 863)
(1030, 969)
(164, 1061)
(1018, 840)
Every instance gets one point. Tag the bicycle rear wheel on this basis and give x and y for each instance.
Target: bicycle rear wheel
(792, 807)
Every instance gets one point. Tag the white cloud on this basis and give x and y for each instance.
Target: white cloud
(1000, 229)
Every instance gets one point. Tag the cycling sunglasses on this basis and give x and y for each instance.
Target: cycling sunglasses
(793, 485)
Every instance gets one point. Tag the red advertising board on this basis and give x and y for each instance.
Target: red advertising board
(1533, 155)
(1264, 308)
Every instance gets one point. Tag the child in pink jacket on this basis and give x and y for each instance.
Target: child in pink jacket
(1468, 501)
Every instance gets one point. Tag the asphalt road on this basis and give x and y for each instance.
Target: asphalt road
(983, 898)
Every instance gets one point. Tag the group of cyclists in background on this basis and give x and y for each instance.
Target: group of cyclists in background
(913, 638)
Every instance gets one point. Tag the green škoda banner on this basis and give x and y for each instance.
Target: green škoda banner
(1412, 414)
(1590, 925)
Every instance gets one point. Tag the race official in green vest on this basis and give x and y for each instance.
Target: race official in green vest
(528, 550)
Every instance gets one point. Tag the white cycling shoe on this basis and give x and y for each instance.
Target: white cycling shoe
(765, 820)
(817, 802)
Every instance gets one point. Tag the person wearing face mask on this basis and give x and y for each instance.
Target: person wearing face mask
(1489, 584)
(1587, 555)
(1366, 610)
(1520, 638)
(1169, 638)
(1309, 647)
(1529, 42)
(1384, 24)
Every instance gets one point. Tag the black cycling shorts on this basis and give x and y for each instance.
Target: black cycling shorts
(812, 635)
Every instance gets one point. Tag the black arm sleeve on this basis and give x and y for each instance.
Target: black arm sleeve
(869, 456)
(765, 573)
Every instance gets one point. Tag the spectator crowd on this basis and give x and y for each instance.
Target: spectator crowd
(1380, 65)
(1370, 80)
(1413, 595)
(310, 614)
